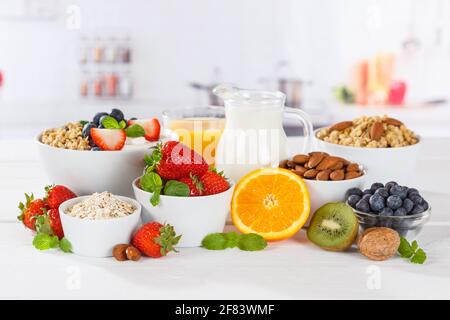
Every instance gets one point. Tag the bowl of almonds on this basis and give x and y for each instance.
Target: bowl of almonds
(327, 176)
(383, 145)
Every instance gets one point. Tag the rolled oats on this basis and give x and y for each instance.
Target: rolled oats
(395, 134)
(101, 206)
(67, 137)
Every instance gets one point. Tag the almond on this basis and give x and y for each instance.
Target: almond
(315, 159)
(323, 175)
(338, 166)
(310, 174)
(393, 122)
(283, 164)
(337, 175)
(376, 131)
(300, 158)
(344, 161)
(379, 243)
(133, 253)
(327, 163)
(290, 164)
(119, 252)
(300, 168)
(341, 126)
(352, 167)
(353, 175)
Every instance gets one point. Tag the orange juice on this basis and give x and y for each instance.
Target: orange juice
(200, 134)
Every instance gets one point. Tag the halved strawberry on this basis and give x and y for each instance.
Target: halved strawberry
(151, 126)
(109, 139)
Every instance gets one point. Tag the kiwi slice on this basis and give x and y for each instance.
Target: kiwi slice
(333, 227)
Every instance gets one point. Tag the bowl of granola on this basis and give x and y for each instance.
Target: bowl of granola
(70, 157)
(94, 224)
(383, 145)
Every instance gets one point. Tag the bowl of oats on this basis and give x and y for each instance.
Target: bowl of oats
(68, 159)
(94, 224)
(383, 145)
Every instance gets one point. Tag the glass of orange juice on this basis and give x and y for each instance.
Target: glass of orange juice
(198, 128)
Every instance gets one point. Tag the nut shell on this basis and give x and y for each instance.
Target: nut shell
(379, 243)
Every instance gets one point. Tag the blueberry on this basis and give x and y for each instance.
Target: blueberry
(101, 121)
(412, 191)
(366, 197)
(390, 184)
(353, 191)
(416, 199)
(396, 190)
(386, 212)
(376, 202)
(394, 202)
(418, 208)
(375, 186)
(117, 114)
(425, 205)
(97, 117)
(96, 149)
(353, 199)
(368, 191)
(400, 212)
(363, 206)
(408, 205)
(404, 193)
(87, 129)
(382, 192)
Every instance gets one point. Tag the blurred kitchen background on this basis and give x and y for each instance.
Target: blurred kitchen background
(64, 60)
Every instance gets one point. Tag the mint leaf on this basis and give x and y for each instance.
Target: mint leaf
(405, 249)
(419, 257)
(176, 188)
(65, 245)
(135, 131)
(414, 245)
(252, 242)
(83, 122)
(122, 124)
(151, 182)
(44, 241)
(215, 241)
(154, 200)
(232, 239)
(110, 123)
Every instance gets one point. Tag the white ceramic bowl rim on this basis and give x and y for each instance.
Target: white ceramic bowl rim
(230, 183)
(425, 214)
(419, 141)
(76, 200)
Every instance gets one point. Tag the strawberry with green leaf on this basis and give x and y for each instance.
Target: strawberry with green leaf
(156, 240)
(30, 210)
(57, 194)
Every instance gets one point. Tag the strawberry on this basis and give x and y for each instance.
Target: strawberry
(151, 127)
(213, 183)
(57, 194)
(50, 223)
(30, 210)
(195, 186)
(109, 139)
(174, 161)
(155, 240)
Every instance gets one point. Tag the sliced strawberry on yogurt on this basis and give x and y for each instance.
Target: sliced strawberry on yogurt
(151, 127)
(109, 139)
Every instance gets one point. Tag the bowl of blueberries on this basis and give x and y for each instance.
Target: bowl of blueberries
(390, 205)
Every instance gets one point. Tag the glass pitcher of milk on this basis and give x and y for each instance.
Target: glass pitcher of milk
(253, 136)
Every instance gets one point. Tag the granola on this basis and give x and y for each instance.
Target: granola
(359, 133)
(101, 206)
(67, 137)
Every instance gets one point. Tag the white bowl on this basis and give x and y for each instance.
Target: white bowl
(97, 238)
(86, 172)
(383, 164)
(192, 217)
(322, 192)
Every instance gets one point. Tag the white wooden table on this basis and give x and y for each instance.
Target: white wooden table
(291, 269)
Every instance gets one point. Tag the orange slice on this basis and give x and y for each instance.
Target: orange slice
(272, 202)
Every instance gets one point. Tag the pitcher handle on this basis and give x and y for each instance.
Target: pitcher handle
(305, 120)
